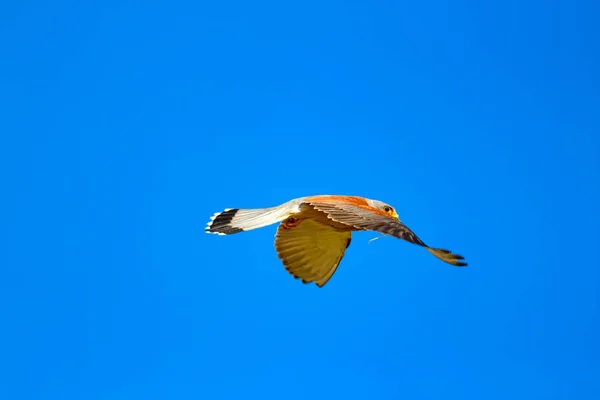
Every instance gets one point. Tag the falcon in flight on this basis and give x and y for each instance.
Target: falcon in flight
(315, 231)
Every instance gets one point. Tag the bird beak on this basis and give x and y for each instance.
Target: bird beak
(396, 216)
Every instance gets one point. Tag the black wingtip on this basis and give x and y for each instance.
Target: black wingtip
(448, 257)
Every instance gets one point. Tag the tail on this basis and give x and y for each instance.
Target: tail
(235, 220)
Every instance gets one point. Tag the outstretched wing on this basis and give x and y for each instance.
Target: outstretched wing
(365, 219)
(311, 251)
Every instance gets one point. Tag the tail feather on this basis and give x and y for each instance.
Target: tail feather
(235, 220)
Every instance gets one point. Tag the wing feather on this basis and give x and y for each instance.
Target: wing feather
(311, 251)
(364, 219)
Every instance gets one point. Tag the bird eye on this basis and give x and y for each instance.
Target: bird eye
(387, 209)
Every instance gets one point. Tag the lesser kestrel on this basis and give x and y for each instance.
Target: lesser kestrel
(315, 231)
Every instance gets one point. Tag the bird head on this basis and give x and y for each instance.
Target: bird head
(386, 208)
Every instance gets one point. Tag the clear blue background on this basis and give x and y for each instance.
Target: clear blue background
(126, 124)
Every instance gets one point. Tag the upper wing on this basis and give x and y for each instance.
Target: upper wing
(311, 251)
(367, 220)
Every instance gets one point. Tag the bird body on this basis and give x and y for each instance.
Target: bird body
(315, 231)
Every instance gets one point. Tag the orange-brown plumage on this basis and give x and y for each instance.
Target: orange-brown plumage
(353, 200)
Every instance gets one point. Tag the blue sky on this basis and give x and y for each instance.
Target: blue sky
(125, 125)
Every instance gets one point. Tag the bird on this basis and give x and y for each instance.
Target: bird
(315, 231)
